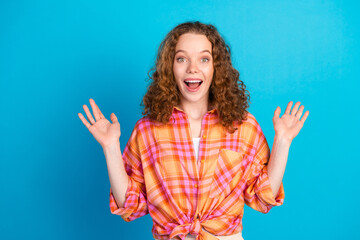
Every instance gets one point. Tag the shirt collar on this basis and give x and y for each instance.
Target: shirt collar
(213, 110)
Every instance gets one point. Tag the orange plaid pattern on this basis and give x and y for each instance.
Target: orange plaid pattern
(183, 195)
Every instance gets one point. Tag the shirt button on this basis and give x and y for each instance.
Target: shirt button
(204, 136)
(202, 161)
(195, 185)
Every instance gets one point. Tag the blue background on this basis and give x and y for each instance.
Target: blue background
(55, 55)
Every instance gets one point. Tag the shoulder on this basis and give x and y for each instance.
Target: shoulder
(142, 134)
(250, 131)
(249, 122)
(146, 127)
(145, 123)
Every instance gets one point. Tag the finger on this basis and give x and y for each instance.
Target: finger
(303, 119)
(88, 114)
(86, 123)
(288, 107)
(98, 109)
(113, 118)
(299, 113)
(94, 108)
(277, 112)
(296, 108)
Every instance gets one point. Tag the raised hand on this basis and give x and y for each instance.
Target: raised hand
(104, 132)
(289, 125)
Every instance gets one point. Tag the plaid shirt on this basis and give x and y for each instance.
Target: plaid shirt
(184, 196)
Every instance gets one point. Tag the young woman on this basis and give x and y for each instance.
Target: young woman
(197, 155)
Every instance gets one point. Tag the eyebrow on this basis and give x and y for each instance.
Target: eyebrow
(185, 51)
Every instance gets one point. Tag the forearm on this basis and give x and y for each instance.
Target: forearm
(277, 162)
(117, 174)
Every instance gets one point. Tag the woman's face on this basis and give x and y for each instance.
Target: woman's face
(193, 67)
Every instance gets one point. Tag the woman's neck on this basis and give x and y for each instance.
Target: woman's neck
(195, 111)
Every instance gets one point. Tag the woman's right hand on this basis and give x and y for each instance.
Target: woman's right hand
(104, 132)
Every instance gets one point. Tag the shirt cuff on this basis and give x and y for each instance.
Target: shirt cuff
(125, 210)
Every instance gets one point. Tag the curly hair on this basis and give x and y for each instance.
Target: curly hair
(227, 92)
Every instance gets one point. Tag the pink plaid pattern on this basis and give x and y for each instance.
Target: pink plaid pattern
(184, 196)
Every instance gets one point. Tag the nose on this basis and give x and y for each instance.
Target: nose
(192, 67)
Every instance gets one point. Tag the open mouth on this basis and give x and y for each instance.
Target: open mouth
(193, 84)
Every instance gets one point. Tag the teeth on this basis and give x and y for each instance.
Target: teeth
(193, 81)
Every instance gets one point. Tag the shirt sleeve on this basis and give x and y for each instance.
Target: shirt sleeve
(135, 204)
(258, 192)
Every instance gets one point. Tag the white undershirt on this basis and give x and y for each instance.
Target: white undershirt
(196, 142)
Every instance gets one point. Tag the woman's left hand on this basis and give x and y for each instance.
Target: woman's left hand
(289, 125)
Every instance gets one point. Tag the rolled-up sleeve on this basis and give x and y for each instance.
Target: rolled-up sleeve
(258, 193)
(135, 204)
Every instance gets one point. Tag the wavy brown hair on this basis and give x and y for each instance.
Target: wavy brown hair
(227, 92)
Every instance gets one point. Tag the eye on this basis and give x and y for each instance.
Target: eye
(180, 59)
(205, 59)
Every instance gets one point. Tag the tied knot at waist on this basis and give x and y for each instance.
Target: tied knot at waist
(194, 228)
